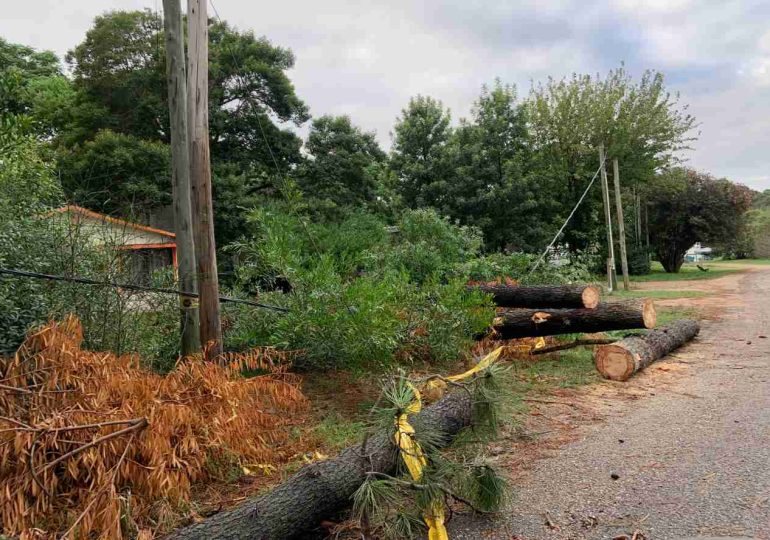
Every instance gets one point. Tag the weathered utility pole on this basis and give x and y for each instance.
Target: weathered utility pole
(200, 175)
(180, 174)
(608, 217)
(621, 225)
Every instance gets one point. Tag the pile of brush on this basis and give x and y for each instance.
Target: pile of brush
(90, 441)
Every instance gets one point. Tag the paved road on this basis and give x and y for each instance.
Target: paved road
(692, 455)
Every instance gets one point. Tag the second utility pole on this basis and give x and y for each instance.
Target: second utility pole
(608, 217)
(200, 175)
(621, 225)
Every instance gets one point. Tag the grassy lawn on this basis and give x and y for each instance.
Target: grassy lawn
(689, 271)
(659, 295)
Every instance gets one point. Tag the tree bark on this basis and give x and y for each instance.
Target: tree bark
(320, 490)
(622, 359)
(556, 296)
(518, 323)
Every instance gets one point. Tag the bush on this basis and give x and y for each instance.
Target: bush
(363, 298)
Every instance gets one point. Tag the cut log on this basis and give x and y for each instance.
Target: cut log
(622, 359)
(518, 323)
(320, 490)
(557, 296)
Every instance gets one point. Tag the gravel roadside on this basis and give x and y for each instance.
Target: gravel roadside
(689, 460)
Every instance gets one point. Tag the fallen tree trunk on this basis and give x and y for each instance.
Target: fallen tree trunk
(518, 323)
(556, 296)
(320, 490)
(622, 359)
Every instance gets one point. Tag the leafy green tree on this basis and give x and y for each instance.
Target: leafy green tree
(637, 121)
(118, 174)
(120, 89)
(491, 184)
(687, 207)
(340, 168)
(419, 157)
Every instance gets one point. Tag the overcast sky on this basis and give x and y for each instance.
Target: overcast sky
(366, 58)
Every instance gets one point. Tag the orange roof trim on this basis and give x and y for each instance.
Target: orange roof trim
(102, 217)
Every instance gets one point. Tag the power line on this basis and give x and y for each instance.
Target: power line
(132, 287)
(569, 217)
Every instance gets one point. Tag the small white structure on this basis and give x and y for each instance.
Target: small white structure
(697, 253)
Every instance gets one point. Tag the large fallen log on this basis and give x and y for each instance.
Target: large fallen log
(545, 296)
(322, 489)
(622, 359)
(518, 323)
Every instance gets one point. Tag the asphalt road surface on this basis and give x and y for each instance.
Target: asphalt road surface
(688, 459)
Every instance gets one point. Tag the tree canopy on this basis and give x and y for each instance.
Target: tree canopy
(687, 206)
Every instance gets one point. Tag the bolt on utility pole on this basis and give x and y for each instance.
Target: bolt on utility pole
(200, 176)
(180, 175)
(621, 225)
(608, 218)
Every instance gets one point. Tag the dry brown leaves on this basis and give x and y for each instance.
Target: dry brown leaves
(90, 441)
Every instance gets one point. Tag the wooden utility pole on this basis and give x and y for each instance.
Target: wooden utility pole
(200, 175)
(180, 174)
(608, 218)
(621, 225)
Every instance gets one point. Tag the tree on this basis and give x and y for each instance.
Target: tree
(490, 183)
(118, 174)
(686, 206)
(419, 157)
(120, 66)
(638, 122)
(340, 168)
(119, 80)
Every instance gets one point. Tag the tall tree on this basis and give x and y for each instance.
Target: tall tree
(483, 176)
(687, 207)
(119, 76)
(343, 163)
(419, 157)
(638, 121)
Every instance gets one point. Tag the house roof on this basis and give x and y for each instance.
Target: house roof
(71, 208)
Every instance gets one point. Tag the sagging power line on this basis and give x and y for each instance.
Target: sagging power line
(132, 287)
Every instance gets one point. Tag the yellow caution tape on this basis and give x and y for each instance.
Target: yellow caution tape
(412, 453)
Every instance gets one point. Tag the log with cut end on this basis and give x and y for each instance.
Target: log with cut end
(622, 359)
(322, 489)
(518, 323)
(550, 296)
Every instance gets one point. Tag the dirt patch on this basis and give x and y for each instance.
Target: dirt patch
(722, 294)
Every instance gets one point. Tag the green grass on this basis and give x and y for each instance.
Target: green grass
(571, 368)
(688, 272)
(337, 432)
(669, 314)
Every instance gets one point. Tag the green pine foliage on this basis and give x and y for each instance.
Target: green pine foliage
(392, 507)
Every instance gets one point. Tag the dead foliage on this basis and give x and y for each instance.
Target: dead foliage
(90, 442)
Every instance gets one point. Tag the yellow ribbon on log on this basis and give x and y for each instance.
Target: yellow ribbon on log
(411, 452)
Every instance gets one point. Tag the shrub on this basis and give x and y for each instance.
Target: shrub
(362, 297)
